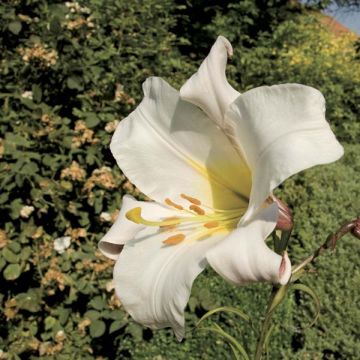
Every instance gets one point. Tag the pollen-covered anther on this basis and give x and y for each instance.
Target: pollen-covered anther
(191, 199)
(197, 209)
(174, 240)
(211, 224)
(172, 204)
(169, 227)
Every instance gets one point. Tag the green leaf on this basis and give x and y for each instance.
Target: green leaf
(135, 330)
(63, 315)
(306, 289)
(75, 83)
(2, 263)
(29, 301)
(225, 309)
(9, 256)
(14, 246)
(116, 325)
(235, 352)
(55, 25)
(37, 92)
(278, 298)
(231, 340)
(15, 27)
(91, 120)
(98, 303)
(50, 322)
(97, 328)
(92, 315)
(12, 272)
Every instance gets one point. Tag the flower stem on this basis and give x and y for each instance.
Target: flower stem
(276, 297)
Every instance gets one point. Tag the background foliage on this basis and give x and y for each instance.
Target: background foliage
(68, 73)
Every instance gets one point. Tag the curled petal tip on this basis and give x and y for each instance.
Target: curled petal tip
(285, 218)
(227, 44)
(284, 269)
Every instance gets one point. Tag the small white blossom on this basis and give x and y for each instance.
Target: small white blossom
(105, 216)
(111, 126)
(62, 243)
(110, 286)
(27, 95)
(26, 211)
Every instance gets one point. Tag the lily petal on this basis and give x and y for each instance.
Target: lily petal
(153, 280)
(124, 230)
(282, 130)
(168, 147)
(208, 88)
(243, 257)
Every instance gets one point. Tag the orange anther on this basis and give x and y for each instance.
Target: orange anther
(171, 203)
(169, 227)
(211, 224)
(197, 209)
(174, 240)
(191, 199)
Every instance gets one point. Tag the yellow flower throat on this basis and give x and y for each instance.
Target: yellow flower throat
(208, 223)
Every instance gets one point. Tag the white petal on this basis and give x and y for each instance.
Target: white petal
(282, 130)
(208, 88)
(243, 257)
(153, 280)
(167, 147)
(124, 230)
(62, 243)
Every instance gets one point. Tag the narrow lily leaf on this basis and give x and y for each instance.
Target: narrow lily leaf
(278, 298)
(225, 309)
(236, 354)
(285, 237)
(230, 339)
(306, 289)
(267, 339)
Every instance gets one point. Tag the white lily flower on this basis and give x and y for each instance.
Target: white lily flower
(209, 157)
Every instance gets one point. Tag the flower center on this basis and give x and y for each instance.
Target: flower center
(207, 220)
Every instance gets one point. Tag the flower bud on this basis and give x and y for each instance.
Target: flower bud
(285, 219)
(356, 229)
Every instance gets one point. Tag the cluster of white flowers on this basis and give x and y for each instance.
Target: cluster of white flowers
(62, 243)
(26, 211)
(105, 216)
(27, 95)
(111, 126)
(75, 7)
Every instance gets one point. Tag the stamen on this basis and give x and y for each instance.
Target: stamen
(171, 203)
(191, 199)
(211, 224)
(170, 227)
(134, 215)
(174, 240)
(197, 209)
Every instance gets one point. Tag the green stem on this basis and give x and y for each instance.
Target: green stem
(276, 297)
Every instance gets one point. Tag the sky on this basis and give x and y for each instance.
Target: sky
(348, 18)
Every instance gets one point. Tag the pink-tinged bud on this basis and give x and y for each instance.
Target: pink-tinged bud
(356, 229)
(285, 219)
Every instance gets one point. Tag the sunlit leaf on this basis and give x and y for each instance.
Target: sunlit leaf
(230, 339)
(306, 289)
(225, 309)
